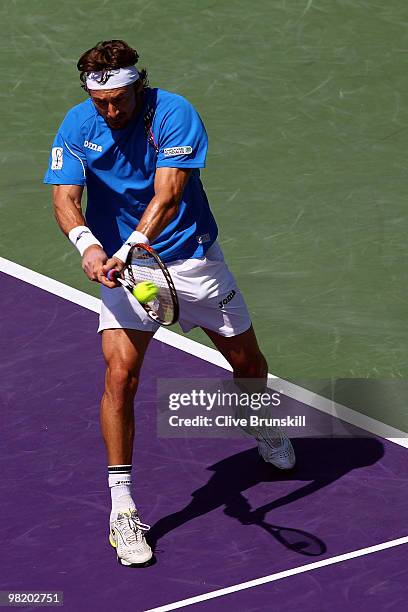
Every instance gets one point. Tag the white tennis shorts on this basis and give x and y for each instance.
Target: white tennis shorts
(208, 297)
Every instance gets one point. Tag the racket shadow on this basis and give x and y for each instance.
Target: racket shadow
(297, 540)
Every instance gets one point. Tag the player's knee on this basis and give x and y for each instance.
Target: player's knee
(251, 366)
(121, 379)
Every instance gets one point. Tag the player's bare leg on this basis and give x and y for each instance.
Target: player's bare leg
(124, 351)
(247, 361)
(243, 353)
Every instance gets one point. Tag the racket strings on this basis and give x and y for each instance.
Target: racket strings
(145, 268)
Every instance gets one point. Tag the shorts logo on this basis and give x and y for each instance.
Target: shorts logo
(92, 146)
(177, 151)
(227, 299)
(56, 158)
(203, 238)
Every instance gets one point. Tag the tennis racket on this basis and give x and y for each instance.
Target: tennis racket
(144, 264)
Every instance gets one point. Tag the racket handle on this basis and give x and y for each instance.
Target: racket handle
(112, 275)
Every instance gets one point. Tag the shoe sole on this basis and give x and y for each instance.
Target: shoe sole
(151, 561)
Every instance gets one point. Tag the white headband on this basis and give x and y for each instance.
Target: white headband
(114, 79)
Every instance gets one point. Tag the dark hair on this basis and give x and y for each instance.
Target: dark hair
(109, 55)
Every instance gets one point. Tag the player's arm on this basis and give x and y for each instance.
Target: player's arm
(67, 206)
(169, 184)
(69, 216)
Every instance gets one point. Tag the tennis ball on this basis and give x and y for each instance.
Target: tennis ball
(145, 291)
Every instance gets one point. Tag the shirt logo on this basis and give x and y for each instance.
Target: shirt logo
(92, 146)
(56, 158)
(177, 151)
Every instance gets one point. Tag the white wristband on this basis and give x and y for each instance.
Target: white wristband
(82, 238)
(134, 238)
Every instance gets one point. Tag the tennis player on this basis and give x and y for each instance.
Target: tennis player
(139, 150)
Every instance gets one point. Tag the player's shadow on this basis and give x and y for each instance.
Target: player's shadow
(320, 462)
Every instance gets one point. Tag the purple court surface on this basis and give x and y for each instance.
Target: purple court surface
(219, 515)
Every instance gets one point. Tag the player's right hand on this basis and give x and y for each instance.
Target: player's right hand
(93, 261)
(112, 264)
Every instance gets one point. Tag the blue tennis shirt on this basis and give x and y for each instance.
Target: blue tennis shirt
(118, 168)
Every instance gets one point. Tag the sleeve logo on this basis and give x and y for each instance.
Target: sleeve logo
(57, 158)
(203, 238)
(173, 151)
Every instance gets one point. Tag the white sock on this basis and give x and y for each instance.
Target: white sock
(120, 484)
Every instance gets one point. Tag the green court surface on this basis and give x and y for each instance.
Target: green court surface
(305, 103)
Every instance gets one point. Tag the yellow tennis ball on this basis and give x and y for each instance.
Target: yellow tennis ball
(145, 292)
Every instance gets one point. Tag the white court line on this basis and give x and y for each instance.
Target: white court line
(211, 355)
(273, 577)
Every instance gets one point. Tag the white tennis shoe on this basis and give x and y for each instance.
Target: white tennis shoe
(275, 447)
(127, 536)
